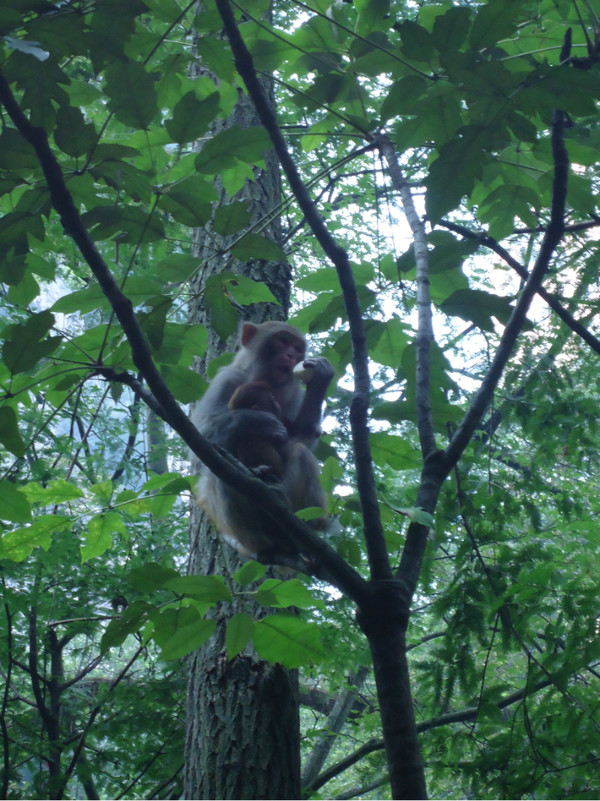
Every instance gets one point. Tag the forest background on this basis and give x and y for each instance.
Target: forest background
(435, 235)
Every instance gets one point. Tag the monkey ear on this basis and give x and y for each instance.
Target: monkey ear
(248, 332)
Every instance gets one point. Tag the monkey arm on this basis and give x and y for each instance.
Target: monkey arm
(306, 428)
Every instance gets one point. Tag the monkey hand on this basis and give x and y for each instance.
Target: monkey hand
(317, 372)
(266, 473)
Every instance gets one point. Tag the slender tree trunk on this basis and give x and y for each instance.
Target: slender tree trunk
(242, 729)
(156, 443)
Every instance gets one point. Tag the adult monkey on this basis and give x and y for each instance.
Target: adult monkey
(269, 353)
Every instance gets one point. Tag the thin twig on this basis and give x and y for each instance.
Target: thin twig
(551, 300)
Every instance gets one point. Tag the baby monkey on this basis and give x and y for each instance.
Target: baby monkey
(265, 457)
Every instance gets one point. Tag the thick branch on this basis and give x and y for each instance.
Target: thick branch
(376, 549)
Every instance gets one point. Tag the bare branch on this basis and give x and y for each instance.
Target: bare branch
(333, 725)
(425, 328)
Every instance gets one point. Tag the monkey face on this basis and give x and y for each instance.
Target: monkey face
(286, 351)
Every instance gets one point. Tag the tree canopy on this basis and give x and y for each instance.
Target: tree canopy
(440, 218)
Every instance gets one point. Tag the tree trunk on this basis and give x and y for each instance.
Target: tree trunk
(242, 732)
(227, 709)
(242, 729)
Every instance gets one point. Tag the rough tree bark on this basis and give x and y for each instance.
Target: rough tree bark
(242, 730)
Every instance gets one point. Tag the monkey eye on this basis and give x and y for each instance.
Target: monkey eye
(286, 341)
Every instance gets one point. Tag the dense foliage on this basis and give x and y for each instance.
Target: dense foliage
(98, 611)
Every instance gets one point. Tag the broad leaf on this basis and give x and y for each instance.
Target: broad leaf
(288, 640)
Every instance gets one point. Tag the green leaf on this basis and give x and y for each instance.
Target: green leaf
(178, 267)
(168, 482)
(309, 513)
(25, 291)
(478, 307)
(151, 576)
(216, 54)
(191, 117)
(125, 223)
(15, 152)
(14, 505)
(103, 490)
(9, 431)
(135, 508)
(231, 145)
(210, 589)
(389, 338)
(453, 173)
(239, 631)
(231, 218)
(18, 544)
(418, 515)
(132, 93)
(223, 315)
(178, 632)
(255, 246)
(235, 177)
(288, 640)
(72, 134)
(130, 622)
(249, 572)
(120, 175)
(324, 279)
(98, 537)
(277, 593)
(372, 15)
(153, 322)
(137, 289)
(189, 201)
(450, 30)
(17, 224)
(57, 491)
(505, 202)
(23, 349)
(417, 43)
(393, 450)
(186, 385)
(403, 95)
(495, 20)
(246, 291)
